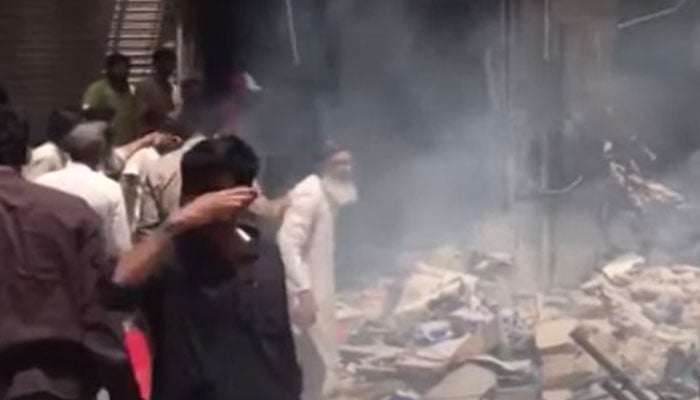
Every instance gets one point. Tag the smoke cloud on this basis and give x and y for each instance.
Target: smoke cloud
(417, 100)
(414, 103)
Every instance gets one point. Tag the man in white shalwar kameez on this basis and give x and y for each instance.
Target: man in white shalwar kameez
(306, 240)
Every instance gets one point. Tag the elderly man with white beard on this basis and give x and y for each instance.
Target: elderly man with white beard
(306, 240)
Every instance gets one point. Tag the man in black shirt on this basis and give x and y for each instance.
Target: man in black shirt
(212, 288)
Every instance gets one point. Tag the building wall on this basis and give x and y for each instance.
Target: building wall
(51, 49)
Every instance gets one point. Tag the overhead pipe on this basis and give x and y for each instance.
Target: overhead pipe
(649, 17)
(547, 31)
(292, 31)
(507, 48)
(180, 47)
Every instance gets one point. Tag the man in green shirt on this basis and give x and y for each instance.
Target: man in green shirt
(112, 95)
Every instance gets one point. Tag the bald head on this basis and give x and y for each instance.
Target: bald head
(87, 143)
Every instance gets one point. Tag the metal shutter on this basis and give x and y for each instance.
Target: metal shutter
(51, 50)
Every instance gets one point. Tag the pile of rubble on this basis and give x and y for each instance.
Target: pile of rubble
(644, 319)
(438, 334)
(433, 333)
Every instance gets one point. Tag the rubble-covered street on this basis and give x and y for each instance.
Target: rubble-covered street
(442, 334)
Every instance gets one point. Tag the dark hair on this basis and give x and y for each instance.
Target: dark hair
(174, 127)
(14, 138)
(191, 89)
(4, 97)
(164, 54)
(151, 120)
(214, 158)
(61, 121)
(116, 58)
(210, 119)
(100, 113)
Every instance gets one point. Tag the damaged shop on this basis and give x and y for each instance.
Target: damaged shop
(576, 277)
(581, 284)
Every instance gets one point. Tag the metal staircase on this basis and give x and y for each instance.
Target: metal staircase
(135, 32)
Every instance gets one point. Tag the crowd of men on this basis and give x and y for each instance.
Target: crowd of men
(137, 209)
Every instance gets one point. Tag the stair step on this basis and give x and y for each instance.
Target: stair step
(131, 30)
(138, 3)
(136, 35)
(138, 56)
(138, 10)
(158, 2)
(145, 44)
(150, 16)
(138, 45)
(133, 51)
(141, 50)
(137, 20)
(133, 43)
(144, 54)
(140, 25)
(114, 41)
(129, 7)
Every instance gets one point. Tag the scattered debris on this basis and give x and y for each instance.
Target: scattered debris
(552, 337)
(467, 382)
(617, 270)
(439, 335)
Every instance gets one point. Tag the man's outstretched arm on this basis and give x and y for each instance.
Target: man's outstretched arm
(139, 264)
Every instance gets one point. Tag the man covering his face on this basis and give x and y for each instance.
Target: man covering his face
(211, 286)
